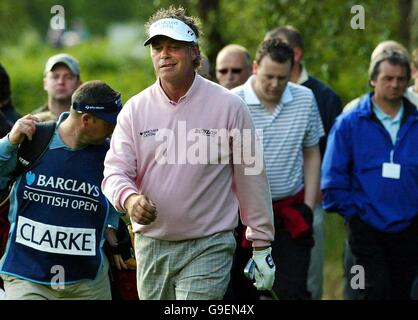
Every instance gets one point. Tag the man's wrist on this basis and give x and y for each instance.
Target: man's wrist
(13, 145)
(127, 205)
(310, 204)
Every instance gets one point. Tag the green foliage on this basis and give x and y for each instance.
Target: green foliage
(334, 52)
(13, 20)
(25, 66)
(96, 14)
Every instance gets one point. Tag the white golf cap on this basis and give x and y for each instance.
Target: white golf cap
(172, 28)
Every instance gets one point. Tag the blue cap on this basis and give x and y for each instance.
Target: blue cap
(107, 111)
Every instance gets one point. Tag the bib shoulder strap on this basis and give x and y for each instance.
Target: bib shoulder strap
(30, 151)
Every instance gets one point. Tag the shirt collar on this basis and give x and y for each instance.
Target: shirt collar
(249, 93)
(304, 76)
(196, 82)
(287, 95)
(56, 142)
(382, 116)
(251, 98)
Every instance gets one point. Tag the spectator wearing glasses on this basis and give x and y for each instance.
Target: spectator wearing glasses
(233, 66)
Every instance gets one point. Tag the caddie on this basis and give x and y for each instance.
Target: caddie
(58, 213)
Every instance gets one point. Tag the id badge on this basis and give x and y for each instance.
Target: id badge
(391, 170)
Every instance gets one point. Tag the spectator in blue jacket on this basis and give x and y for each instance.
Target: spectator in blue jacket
(349, 293)
(370, 176)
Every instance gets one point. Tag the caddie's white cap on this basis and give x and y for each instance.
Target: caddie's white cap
(172, 28)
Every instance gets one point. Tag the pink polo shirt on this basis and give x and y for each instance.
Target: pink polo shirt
(154, 150)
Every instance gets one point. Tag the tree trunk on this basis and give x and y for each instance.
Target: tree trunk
(414, 25)
(208, 11)
(405, 18)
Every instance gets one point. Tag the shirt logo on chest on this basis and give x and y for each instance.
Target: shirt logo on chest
(148, 133)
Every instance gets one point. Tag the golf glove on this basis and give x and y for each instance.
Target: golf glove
(264, 269)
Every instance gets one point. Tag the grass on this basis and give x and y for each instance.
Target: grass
(333, 267)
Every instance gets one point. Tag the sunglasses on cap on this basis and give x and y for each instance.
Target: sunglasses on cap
(233, 70)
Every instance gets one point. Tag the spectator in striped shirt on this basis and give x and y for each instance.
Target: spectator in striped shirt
(329, 106)
(289, 117)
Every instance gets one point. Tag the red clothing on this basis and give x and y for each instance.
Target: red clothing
(293, 219)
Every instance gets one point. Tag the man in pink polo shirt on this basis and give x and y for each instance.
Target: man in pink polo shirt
(180, 164)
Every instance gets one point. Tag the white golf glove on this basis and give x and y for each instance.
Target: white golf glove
(264, 269)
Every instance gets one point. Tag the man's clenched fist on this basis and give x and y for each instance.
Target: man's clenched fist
(141, 209)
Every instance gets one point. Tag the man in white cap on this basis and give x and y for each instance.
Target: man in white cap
(184, 210)
(61, 79)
